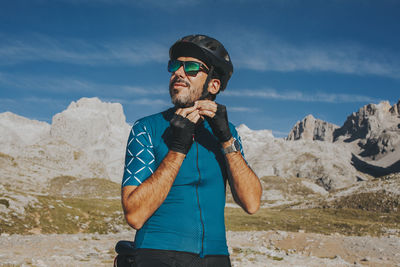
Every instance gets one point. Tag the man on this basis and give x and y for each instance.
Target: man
(178, 162)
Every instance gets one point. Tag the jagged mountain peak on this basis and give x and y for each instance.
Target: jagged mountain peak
(369, 121)
(395, 109)
(374, 131)
(311, 128)
(383, 108)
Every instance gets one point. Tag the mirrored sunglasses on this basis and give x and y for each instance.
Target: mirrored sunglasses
(191, 68)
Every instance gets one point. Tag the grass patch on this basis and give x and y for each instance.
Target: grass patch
(324, 221)
(275, 258)
(73, 206)
(84, 215)
(69, 186)
(378, 201)
(67, 216)
(288, 186)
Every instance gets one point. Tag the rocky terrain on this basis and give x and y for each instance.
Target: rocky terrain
(372, 135)
(249, 249)
(325, 163)
(86, 140)
(331, 195)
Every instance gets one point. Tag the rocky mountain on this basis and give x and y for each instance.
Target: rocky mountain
(17, 131)
(311, 128)
(325, 163)
(372, 134)
(375, 129)
(370, 121)
(50, 185)
(97, 130)
(86, 140)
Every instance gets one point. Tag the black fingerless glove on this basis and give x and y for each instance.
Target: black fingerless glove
(182, 134)
(219, 124)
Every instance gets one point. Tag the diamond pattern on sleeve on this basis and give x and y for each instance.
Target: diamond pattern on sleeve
(237, 137)
(139, 157)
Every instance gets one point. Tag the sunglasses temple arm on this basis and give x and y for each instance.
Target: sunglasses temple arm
(205, 86)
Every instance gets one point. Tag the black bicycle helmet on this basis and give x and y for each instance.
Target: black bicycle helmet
(208, 50)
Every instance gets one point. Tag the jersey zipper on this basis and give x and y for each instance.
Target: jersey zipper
(198, 200)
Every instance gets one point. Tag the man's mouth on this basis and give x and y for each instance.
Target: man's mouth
(179, 83)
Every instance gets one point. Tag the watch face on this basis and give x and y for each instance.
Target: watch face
(237, 146)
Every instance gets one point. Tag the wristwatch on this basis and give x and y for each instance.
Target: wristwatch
(232, 148)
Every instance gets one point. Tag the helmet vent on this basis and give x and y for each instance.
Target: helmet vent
(211, 45)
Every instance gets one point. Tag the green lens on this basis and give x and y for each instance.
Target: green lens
(191, 66)
(174, 65)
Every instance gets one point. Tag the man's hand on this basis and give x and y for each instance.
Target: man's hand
(217, 117)
(183, 125)
(245, 185)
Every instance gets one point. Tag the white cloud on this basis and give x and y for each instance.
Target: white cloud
(80, 52)
(46, 84)
(32, 107)
(243, 109)
(161, 90)
(33, 103)
(302, 97)
(258, 52)
(4, 102)
(148, 102)
(69, 84)
(30, 99)
(267, 53)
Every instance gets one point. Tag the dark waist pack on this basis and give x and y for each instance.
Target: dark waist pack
(125, 250)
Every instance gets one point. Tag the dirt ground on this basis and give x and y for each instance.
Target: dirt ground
(258, 248)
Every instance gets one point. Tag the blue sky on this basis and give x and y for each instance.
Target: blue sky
(291, 58)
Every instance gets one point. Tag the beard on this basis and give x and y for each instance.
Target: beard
(183, 98)
(193, 94)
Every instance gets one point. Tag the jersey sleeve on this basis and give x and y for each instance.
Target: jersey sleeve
(139, 157)
(237, 137)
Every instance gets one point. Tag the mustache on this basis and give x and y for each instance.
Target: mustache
(178, 80)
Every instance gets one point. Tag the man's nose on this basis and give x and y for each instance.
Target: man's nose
(180, 72)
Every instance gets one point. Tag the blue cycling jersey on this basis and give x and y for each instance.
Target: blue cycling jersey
(191, 218)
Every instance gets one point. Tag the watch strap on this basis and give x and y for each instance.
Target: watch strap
(232, 148)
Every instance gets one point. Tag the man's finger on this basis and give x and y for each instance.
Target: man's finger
(207, 113)
(207, 105)
(194, 116)
(185, 111)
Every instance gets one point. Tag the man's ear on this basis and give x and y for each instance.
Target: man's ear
(213, 86)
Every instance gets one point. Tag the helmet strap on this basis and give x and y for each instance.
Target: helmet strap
(205, 94)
